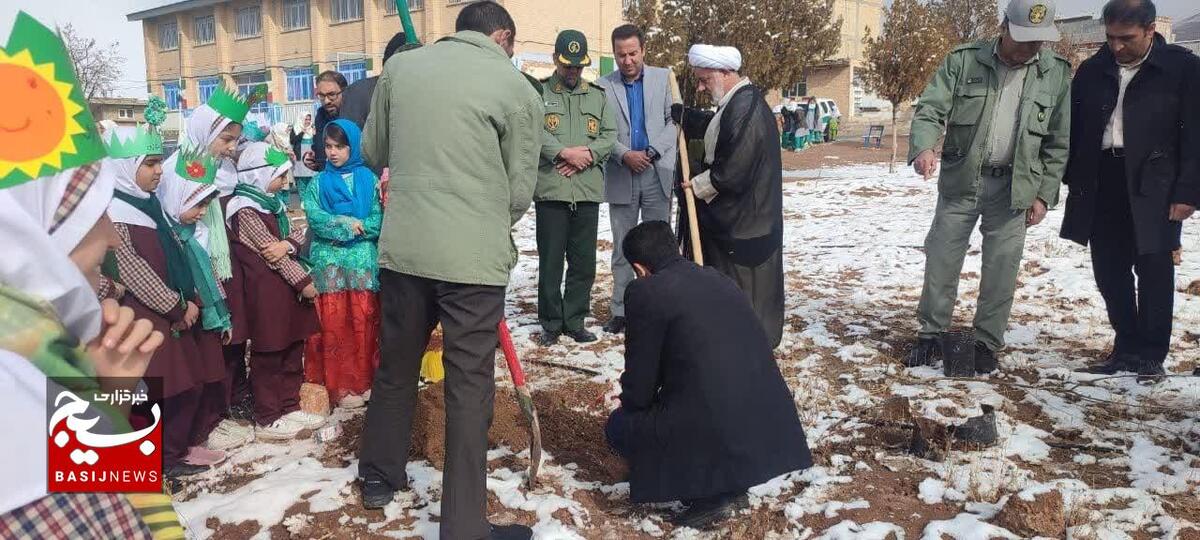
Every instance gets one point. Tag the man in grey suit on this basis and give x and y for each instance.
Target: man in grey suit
(641, 169)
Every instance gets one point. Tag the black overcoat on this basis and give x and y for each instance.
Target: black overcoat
(1162, 142)
(707, 406)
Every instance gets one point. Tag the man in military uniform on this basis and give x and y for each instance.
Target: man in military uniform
(1004, 107)
(578, 135)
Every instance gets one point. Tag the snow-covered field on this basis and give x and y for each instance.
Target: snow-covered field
(1103, 457)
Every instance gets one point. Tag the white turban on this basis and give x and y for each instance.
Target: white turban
(715, 57)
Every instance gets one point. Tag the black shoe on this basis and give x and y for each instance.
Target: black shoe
(510, 532)
(615, 325)
(182, 469)
(1150, 373)
(985, 359)
(547, 339)
(376, 492)
(925, 353)
(581, 336)
(707, 513)
(1114, 363)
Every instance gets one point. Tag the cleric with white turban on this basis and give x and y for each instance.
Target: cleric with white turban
(740, 186)
(715, 57)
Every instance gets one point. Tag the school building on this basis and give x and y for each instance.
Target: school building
(193, 45)
(835, 77)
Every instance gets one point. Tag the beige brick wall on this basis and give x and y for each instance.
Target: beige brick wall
(538, 24)
(857, 15)
(832, 82)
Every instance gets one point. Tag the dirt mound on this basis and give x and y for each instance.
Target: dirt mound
(575, 436)
(1041, 516)
(429, 424)
(572, 436)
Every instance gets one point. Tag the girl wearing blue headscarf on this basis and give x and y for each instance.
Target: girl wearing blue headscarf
(344, 217)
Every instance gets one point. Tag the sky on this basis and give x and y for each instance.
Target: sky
(105, 21)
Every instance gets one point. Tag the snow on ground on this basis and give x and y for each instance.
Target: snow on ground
(1124, 457)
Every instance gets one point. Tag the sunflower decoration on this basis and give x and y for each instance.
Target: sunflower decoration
(45, 125)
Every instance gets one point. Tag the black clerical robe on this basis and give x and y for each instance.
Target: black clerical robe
(741, 228)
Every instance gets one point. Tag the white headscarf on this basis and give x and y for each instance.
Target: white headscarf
(177, 195)
(42, 266)
(66, 221)
(122, 172)
(202, 128)
(279, 137)
(298, 126)
(253, 170)
(715, 57)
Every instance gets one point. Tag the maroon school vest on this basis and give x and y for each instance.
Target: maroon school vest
(182, 361)
(275, 316)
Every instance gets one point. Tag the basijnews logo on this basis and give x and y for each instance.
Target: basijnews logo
(103, 440)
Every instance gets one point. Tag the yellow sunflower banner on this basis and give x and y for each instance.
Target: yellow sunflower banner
(45, 125)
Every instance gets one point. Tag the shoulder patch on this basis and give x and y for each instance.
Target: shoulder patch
(970, 46)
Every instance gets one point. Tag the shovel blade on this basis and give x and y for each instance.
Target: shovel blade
(525, 401)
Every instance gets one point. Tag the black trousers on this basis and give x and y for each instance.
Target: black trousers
(565, 230)
(411, 308)
(1140, 311)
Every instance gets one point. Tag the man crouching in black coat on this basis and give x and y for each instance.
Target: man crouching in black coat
(704, 412)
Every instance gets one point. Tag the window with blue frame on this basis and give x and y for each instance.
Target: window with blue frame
(172, 95)
(206, 87)
(246, 82)
(300, 84)
(353, 70)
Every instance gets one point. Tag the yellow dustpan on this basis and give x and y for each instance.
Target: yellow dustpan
(431, 364)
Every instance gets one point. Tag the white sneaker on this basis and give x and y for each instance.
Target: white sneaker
(305, 420)
(352, 401)
(229, 435)
(279, 430)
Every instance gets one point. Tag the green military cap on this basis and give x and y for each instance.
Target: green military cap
(570, 49)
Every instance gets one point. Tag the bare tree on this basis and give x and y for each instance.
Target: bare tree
(900, 61)
(968, 20)
(1070, 49)
(97, 68)
(778, 38)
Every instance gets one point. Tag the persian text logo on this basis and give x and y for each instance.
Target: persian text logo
(94, 445)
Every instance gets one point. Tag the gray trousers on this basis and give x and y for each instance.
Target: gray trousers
(649, 204)
(946, 246)
(411, 307)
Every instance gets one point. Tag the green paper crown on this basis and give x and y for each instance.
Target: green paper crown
(233, 106)
(146, 142)
(196, 164)
(36, 53)
(275, 157)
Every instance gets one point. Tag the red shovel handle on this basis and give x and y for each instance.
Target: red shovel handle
(510, 354)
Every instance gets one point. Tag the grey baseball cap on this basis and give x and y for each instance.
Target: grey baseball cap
(1031, 20)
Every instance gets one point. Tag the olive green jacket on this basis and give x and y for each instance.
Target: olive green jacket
(578, 117)
(959, 101)
(460, 129)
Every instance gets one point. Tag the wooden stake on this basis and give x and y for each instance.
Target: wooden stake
(689, 198)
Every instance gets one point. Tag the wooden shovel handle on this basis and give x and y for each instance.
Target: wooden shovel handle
(689, 198)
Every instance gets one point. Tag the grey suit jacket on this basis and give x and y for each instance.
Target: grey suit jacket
(656, 88)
